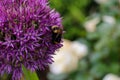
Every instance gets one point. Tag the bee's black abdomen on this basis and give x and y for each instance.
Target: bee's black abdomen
(56, 38)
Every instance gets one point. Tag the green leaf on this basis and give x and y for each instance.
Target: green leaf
(29, 75)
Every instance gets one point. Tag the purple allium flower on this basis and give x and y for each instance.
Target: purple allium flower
(25, 35)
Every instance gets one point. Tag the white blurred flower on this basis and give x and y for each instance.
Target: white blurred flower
(90, 25)
(79, 49)
(111, 77)
(109, 19)
(67, 58)
(119, 1)
(101, 1)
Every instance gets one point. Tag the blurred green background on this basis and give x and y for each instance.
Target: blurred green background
(97, 24)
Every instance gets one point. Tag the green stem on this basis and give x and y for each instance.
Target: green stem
(29, 75)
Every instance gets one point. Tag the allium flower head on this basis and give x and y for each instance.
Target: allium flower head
(25, 35)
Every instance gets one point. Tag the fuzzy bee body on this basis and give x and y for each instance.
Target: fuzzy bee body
(56, 34)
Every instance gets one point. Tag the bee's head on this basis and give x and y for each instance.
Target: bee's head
(55, 29)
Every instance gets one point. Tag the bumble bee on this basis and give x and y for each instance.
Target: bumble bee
(56, 34)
